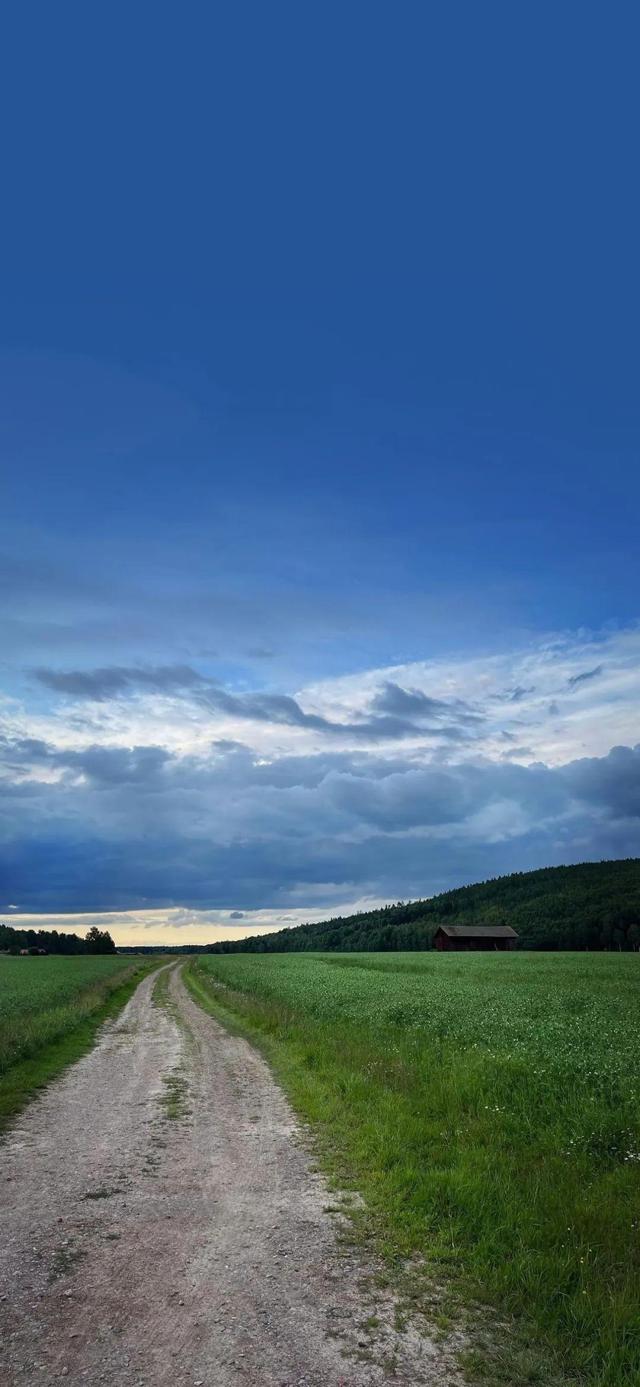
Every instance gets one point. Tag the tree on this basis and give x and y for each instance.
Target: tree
(633, 937)
(591, 905)
(99, 941)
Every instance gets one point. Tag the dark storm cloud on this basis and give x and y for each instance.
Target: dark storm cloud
(394, 714)
(133, 828)
(611, 782)
(413, 703)
(282, 710)
(105, 765)
(119, 765)
(18, 752)
(393, 699)
(310, 771)
(576, 679)
(432, 796)
(116, 680)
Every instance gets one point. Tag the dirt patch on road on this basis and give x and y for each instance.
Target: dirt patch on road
(160, 1223)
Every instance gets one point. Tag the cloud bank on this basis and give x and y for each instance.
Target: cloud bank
(156, 788)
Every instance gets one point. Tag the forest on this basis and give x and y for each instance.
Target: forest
(52, 941)
(595, 906)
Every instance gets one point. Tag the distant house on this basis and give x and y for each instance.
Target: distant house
(461, 938)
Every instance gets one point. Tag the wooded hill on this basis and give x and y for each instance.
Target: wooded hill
(595, 905)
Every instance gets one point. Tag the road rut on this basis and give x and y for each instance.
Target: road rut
(161, 1223)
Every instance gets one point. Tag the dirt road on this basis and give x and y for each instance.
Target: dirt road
(160, 1223)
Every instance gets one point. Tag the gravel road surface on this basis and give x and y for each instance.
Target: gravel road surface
(161, 1223)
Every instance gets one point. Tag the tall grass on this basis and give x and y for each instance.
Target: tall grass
(42, 998)
(488, 1109)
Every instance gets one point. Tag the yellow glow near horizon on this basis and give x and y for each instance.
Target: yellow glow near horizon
(131, 932)
(179, 925)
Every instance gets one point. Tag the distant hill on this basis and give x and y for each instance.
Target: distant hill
(595, 905)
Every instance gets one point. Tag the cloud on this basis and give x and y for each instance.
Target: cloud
(394, 713)
(530, 692)
(515, 695)
(145, 829)
(583, 678)
(609, 783)
(283, 710)
(104, 765)
(391, 698)
(114, 681)
(419, 706)
(118, 765)
(156, 787)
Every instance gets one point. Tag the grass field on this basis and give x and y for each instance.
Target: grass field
(49, 1011)
(488, 1108)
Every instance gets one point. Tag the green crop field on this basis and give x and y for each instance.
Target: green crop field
(488, 1108)
(52, 1004)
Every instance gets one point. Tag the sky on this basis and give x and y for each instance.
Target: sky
(319, 438)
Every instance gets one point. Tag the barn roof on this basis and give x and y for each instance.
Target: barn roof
(478, 931)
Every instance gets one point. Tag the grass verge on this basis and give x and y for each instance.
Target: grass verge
(23, 1079)
(494, 1167)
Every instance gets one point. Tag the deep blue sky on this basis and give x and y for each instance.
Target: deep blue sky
(318, 343)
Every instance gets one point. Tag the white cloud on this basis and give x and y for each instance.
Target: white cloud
(493, 764)
(517, 690)
(533, 698)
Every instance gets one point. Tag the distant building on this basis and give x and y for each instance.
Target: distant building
(461, 938)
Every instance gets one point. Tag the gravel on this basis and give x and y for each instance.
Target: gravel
(138, 1246)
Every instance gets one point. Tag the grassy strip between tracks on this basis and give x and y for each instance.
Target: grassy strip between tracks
(35, 1046)
(487, 1111)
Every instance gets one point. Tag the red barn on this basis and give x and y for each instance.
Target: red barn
(464, 937)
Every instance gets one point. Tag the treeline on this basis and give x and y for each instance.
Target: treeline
(162, 949)
(595, 905)
(51, 941)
